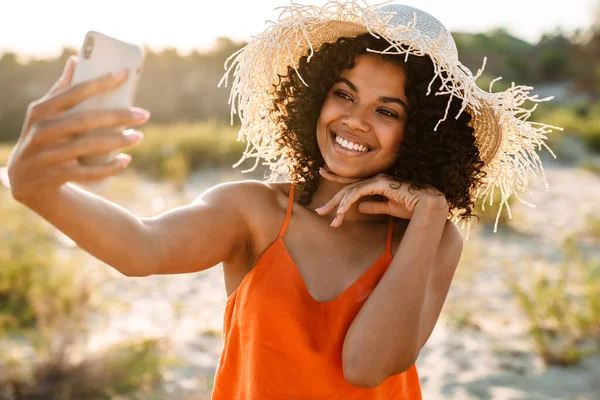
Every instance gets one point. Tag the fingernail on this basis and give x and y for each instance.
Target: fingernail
(123, 160)
(132, 136)
(139, 114)
(334, 221)
(68, 64)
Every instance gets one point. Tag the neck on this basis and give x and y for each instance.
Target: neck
(328, 189)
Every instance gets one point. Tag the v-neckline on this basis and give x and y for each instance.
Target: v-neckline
(345, 291)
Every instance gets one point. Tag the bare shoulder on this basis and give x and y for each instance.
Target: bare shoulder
(259, 204)
(262, 206)
(269, 205)
(248, 196)
(245, 197)
(223, 223)
(235, 192)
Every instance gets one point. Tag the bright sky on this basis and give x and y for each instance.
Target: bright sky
(42, 27)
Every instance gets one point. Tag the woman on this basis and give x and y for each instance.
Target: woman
(335, 277)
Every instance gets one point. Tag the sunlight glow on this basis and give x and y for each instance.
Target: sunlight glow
(42, 28)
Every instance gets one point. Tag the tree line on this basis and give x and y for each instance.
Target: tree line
(183, 88)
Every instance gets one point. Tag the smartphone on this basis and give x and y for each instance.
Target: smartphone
(101, 54)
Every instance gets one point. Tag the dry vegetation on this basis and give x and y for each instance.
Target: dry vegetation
(47, 309)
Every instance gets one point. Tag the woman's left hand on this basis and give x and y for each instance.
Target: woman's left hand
(400, 199)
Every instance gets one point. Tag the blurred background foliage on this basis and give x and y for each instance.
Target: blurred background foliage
(183, 88)
(173, 87)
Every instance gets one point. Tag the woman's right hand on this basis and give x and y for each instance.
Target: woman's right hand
(45, 156)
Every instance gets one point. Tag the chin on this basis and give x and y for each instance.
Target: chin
(344, 172)
(348, 171)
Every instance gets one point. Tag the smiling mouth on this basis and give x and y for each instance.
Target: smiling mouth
(349, 146)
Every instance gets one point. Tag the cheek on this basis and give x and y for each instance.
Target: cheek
(392, 135)
(331, 109)
(328, 114)
(398, 138)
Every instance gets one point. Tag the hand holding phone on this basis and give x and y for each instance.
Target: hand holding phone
(99, 55)
(54, 136)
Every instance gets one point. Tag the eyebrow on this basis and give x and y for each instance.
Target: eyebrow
(383, 99)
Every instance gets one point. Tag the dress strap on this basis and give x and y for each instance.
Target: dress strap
(288, 212)
(390, 231)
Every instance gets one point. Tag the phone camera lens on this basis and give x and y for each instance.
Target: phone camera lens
(88, 47)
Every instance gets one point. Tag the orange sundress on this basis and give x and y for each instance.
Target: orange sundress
(280, 343)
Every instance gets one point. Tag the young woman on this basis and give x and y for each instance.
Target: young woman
(336, 276)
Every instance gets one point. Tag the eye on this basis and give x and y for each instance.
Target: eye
(387, 113)
(343, 95)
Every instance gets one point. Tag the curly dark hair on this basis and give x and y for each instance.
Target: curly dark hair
(447, 159)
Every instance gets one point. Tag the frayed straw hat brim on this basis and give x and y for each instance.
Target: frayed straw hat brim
(506, 140)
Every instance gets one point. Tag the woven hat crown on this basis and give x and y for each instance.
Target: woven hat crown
(427, 24)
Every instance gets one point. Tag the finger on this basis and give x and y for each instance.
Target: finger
(58, 128)
(91, 145)
(374, 207)
(90, 173)
(337, 221)
(66, 77)
(336, 178)
(366, 188)
(68, 97)
(344, 204)
(332, 203)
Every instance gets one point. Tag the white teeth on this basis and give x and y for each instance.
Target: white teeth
(351, 146)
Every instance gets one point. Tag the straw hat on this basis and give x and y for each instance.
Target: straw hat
(505, 138)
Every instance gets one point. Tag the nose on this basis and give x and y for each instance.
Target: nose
(356, 119)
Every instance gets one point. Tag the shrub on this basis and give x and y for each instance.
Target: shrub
(46, 310)
(562, 307)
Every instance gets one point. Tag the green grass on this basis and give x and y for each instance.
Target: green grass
(27, 257)
(212, 332)
(562, 306)
(174, 151)
(591, 166)
(461, 317)
(583, 122)
(592, 228)
(46, 306)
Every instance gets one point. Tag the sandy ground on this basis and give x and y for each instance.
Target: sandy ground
(493, 359)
